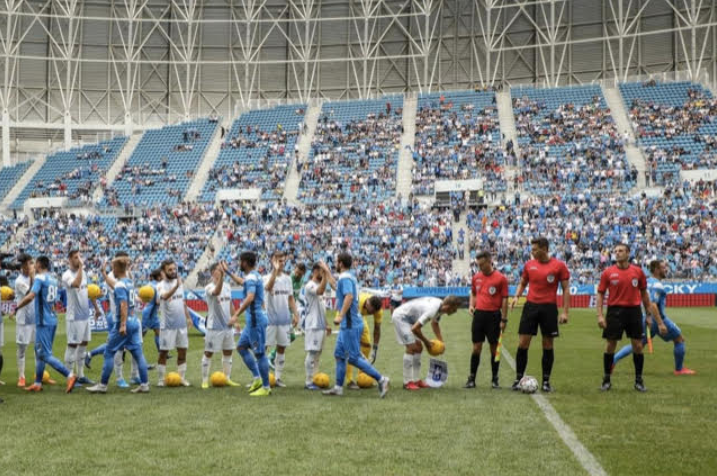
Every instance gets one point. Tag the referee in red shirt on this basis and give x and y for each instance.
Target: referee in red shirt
(543, 274)
(489, 307)
(626, 285)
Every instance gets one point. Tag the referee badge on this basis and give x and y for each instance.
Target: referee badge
(491, 290)
(551, 278)
(634, 283)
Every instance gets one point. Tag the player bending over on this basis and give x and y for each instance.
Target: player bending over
(408, 320)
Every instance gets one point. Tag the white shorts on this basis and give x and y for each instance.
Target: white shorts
(78, 331)
(314, 340)
(173, 339)
(278, 335)
(215, 341)
(25, 334)
(404, 334)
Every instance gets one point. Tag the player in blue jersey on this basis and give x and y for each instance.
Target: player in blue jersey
(253, 336)
(350, 322)
(44, 293)
(658, 295)
(126, 331)
(150, 313)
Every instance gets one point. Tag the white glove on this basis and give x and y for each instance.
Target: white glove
(372, 356)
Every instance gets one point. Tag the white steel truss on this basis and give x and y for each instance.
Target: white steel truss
(74, 67)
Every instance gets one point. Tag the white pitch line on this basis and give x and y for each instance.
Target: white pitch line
(583, 455)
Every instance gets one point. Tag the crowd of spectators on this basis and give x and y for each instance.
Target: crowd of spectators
(568, 146)
(457, 138)
(354, 153)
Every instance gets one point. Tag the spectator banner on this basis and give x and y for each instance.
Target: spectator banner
(579, 290)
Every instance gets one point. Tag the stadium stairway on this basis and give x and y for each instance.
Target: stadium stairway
(22, 183)
(622, 121)
(119, 162)
(206, 259)
(405, 155)
(210, 156)
(505, 116)
(291, 185)
(461, 267)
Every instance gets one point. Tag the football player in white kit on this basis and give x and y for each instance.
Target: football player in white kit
(220, 324)
(281, 310)
(77, 315)
(315, 325)
(408, 319)
(25, 327)
(173, 320)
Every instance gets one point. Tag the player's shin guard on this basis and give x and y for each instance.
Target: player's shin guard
(521, 362)
(548, 359)
(279, 365)
(416, 367)
(21, 348)
(679, 352)
(407, 368)
(227, 366)
(263, 364)
(118, 360)
(639, 361)
(206, 362)
(622, 353)
(249, 361)
(364, 366)
(607, 362)
(79, 360)
(340, 372)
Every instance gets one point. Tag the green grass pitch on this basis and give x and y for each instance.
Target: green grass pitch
(670, 430)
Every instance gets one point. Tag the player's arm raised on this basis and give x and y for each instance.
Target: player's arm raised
(269, 286)
(329, 276)
(218, 287)
(78, 279)
(171, 292)
(234, 277)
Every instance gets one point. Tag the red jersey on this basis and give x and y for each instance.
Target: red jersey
(624, 285)
(489, 290)
(543, 280)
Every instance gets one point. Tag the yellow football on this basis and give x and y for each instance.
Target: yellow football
(146, 293)
(437, 347)
(321, 380)
(7, 293)
(272, 379)
(94, 291)
(46, 377)
(364, 380)
(218, 379)
(173, 380)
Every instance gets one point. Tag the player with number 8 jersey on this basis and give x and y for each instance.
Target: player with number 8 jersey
(44, 293)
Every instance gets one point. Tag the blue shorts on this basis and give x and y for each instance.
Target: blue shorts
(348, 344)
(254, 337)
(132, 340)
(673, 332)
(150, 320)
(44, 338)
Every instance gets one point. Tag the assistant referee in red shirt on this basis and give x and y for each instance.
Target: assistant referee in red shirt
(489, 308)
(626, 285)
(543, 274)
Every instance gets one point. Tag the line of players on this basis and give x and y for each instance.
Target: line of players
(270, 319)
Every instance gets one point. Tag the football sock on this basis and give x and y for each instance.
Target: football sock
(639, 361)
(607, 361)
(521, 362)
(407, 368)
(475, 362)
(679, 355)
(548, 359)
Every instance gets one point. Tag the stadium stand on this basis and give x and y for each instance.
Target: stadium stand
(161, 167)
(457, 138)
(354, 154)
(257, 152)
(72, 173)
(569, 142)
(676, 126)
(9, 176)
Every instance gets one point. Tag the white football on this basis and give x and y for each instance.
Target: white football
(528, 384)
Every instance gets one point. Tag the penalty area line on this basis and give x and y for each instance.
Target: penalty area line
(586, 459)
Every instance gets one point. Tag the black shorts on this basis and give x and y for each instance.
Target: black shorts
(544, 316)
(623, 318)
(486, 325)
